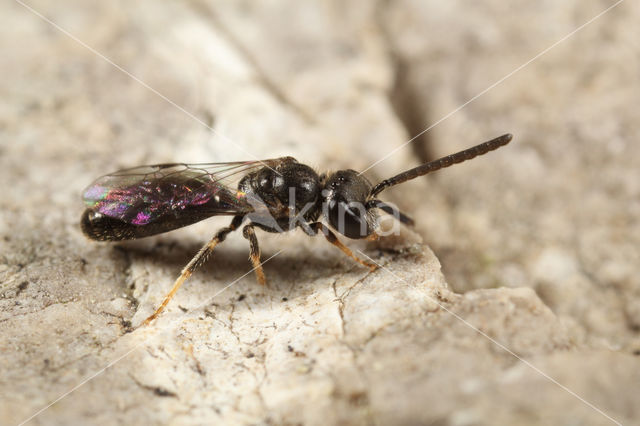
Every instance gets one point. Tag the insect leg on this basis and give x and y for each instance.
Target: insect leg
(195, 263)
(250, 234)
(331, 237)
(403, 218)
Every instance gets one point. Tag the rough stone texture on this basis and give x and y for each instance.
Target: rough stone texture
(540, 241)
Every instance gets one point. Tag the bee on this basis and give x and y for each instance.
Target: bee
(276, 195)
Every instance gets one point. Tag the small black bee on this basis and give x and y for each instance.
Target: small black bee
(274, 195)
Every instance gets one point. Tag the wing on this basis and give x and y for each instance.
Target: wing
(176, 192)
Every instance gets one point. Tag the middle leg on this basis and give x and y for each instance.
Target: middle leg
(250, 234)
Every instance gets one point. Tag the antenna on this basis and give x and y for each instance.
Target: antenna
(443, 162)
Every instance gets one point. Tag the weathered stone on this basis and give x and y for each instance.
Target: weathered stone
(535, 320)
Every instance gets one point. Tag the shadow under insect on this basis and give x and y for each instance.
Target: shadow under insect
(231, 263)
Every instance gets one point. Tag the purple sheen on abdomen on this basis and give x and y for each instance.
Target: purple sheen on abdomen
(142, 204)
(142, 218)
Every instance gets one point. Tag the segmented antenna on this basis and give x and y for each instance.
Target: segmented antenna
(443, 162)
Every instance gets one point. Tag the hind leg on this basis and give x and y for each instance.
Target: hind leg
(195, 263)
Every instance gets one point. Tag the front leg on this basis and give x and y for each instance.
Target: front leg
(331, 237)
(250, 234)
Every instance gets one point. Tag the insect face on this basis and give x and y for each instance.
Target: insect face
(344, 204)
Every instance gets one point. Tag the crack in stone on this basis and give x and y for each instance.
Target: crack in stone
(361, 397)
(14, 316)
(341, 299)
(21, 287)
(129, 280)
(197, 365)
(403, 96)
(40, 309)
(125, 325)
(48, 368)
(230, 325)
(259, 382)
(261, 360)
(340, 307)
(157, 390)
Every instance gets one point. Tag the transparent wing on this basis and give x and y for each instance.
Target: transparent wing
(148, 194)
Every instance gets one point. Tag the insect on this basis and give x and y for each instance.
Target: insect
(276, 195)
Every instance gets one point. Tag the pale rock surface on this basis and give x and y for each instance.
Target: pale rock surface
(536, 319)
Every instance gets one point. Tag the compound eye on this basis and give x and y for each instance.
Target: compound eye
(349, 219)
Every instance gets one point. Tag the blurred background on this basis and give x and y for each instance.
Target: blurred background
(344, 85)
